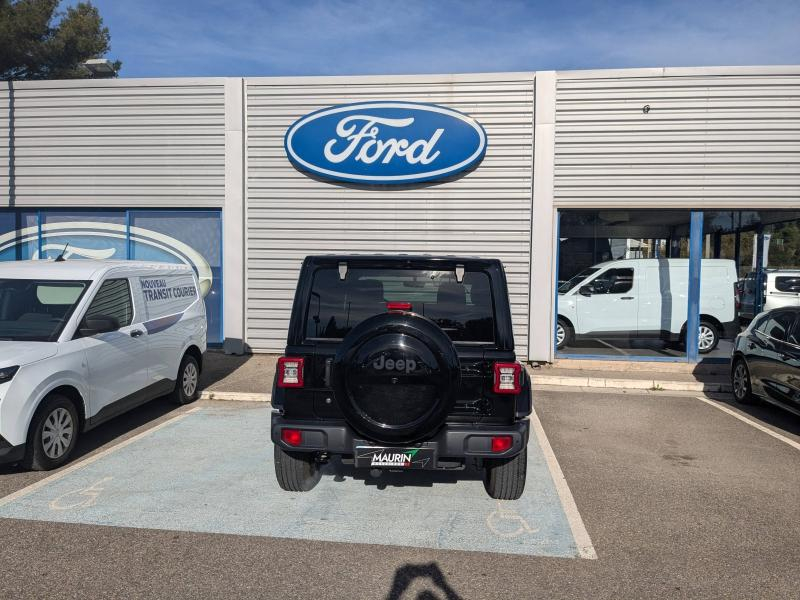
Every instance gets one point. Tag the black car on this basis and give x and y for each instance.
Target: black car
(766, 360)
(398, 363)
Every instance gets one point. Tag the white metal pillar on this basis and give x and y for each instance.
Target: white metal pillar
(233, 219)
(543, 222)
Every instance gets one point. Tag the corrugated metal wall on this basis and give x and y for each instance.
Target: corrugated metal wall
(125, 142)
(6, 143)
(290, 215)
(712, 138)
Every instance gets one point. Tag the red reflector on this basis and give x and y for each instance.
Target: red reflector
(294, 437)
(391, 306)
(500, 443)
(507, 378)
(290, 372)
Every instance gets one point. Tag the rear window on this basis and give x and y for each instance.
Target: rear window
(788, 284)
(463, 310)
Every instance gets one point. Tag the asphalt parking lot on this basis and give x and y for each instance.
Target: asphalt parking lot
(677, 497)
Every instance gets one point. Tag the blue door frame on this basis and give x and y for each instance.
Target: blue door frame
(693, 310)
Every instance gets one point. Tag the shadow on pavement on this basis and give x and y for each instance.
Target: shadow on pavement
(117, 427)
(767, 413)
(340, 472)
(433, 586)
(218, 366)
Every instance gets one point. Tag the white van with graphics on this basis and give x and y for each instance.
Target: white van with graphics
(83, 341)
(647, 298)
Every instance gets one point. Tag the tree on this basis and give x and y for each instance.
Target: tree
(39, 42)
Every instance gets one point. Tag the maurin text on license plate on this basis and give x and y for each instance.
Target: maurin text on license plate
(393, 458)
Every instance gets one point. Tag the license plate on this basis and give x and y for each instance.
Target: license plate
(373, 457)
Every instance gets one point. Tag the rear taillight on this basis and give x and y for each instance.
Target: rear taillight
(290, 372)
(398, 306)
(501, 443)
(293, 437)
(507, 378)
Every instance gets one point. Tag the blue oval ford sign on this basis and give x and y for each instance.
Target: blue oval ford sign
(385, 142)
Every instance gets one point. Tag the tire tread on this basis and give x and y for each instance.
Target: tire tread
(504, 478)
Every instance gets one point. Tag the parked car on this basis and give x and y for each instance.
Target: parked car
(765, 364)
(399, 363)
(647, 298)
(83, 341)
(780, 288)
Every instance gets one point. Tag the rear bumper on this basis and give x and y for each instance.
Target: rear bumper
(453, 441)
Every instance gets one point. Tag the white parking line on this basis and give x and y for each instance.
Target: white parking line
(93, 458)
(579, 533)
(759, 426)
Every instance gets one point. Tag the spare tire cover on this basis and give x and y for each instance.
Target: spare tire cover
(395, 377)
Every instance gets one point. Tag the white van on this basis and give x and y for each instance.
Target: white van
(83, 341)
(781, 290)
(647, 298)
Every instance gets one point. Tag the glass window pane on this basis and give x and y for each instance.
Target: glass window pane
(84, 234)
(191, 237)
(113, 299)
(33, 310)
(623, 282)
(19, 235)
(463, 310)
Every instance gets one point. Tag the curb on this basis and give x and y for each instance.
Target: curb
(632, 384)
(235, 396)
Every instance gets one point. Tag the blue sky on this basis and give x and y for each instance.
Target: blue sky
(333, 37)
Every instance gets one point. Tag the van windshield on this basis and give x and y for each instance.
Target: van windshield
(463, 310)
(34, 310)
(576, 280)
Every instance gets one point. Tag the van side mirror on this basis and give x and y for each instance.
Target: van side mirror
(97, 324)
(585, 290)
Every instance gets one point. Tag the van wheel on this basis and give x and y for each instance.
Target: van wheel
(52, 435)
(564, 334)
(296, 471)
(708, 338)
(504, 478)
(186, 387)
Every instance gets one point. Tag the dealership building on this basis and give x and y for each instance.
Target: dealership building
(567, 169)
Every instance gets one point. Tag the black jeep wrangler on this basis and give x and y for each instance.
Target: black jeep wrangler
(401, 362)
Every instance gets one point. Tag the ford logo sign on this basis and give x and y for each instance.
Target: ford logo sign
(382, 143)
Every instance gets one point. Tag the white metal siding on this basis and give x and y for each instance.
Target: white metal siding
(290, 215)
(725, 137)
(137, 142)
(5, 143)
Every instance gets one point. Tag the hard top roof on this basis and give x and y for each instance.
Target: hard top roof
(79, 269)
(400, 259)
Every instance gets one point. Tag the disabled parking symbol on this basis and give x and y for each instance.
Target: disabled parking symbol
(506, 522)
(82, 498)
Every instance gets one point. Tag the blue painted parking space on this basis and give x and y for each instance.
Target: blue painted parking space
(212, 471)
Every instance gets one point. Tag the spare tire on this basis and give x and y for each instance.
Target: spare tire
(395, 377)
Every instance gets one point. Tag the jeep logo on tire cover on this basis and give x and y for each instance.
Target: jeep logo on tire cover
(407, 365)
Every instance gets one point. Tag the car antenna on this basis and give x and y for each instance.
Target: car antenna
(60, 257)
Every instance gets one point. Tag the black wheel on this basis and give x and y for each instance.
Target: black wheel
(708, 337)
(52, 434)
(296, 471)
(564, 334)
(186, 386)
(504, 478)
(740, 382)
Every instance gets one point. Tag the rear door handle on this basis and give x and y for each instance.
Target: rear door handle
(627, 298)
(137, 333)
